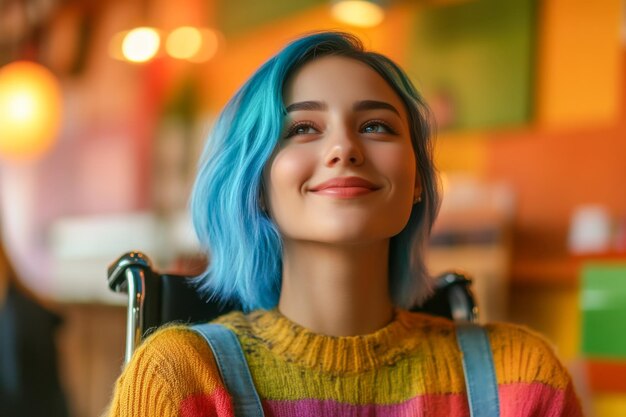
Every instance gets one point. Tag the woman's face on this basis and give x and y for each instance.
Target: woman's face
(344, 171)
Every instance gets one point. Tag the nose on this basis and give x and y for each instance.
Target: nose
(344, 149)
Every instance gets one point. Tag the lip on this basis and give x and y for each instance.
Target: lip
(344, 187)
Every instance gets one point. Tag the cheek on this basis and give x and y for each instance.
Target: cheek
(399, 165)
(401, 170)
(289, 170)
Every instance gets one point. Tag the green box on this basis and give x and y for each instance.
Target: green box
(603, 305)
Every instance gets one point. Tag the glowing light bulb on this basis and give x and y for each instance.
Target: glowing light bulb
(30, 109)
(141, 44)
(184, 42)
(361, 13)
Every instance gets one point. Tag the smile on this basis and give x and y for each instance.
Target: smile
(345, 187)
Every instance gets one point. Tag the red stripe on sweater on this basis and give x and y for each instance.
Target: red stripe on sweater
(216, 404)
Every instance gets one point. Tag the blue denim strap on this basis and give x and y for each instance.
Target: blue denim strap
(480, 375)
(233, 368)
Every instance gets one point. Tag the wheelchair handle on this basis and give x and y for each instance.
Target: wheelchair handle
(128, 275)
(116, 273)
(462, 304)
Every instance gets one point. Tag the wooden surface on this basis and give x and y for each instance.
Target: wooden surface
(91, 351)
(557, 271)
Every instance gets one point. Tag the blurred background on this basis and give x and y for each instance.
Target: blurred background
(105, 105)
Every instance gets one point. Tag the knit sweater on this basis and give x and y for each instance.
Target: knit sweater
(411, 367)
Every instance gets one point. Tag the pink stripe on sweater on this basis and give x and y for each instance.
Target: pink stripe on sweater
(516, 400)
(451, 405)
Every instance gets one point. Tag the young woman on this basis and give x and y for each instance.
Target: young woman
(315, 197)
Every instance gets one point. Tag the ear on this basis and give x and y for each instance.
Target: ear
(417, 192)
(262, 203)
(263, 199)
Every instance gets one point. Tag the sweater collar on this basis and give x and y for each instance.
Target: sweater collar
(346, 354)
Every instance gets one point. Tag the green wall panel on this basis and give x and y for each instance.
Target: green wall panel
(480, 56)
(603, 304)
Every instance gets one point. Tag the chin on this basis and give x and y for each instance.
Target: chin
(349, 230)
(352, 236)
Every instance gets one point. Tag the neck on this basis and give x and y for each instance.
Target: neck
(336, 290)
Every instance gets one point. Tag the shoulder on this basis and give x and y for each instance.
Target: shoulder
(529, 372)
(421, 325)
(177, 363)
(168, 345)
(250, 328)
(175, 353)
(181, 341)
(523, 355)
(519, 353)
(236, 320)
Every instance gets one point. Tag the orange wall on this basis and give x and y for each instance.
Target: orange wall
(575, 151)
(578, 66)
(554, 172)
(242, 55)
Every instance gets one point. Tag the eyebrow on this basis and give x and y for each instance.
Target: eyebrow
(359, 106)
(374, 105)
(306, 105)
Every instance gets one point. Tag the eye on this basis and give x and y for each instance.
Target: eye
(301, 128)
(377, 126)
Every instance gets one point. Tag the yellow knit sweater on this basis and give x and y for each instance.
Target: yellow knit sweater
(411, 367)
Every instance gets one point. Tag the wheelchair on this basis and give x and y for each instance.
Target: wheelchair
(155, 299)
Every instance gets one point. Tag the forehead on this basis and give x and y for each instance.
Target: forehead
(337, 78)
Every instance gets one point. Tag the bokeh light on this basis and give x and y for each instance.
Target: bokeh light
(359, 13)
(141, 44)
(30, 110)
(184, 42)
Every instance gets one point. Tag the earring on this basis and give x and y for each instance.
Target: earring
(417, 199)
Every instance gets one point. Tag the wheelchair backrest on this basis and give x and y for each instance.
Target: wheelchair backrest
(155, 299)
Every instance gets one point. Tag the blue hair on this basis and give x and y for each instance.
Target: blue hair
(243, 244)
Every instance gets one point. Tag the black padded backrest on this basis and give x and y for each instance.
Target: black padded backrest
(156, 299)
(173, 298)
(181, 302)
(153, 299)
(452, 297)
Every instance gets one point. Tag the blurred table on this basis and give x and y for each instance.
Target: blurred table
(91, 353)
